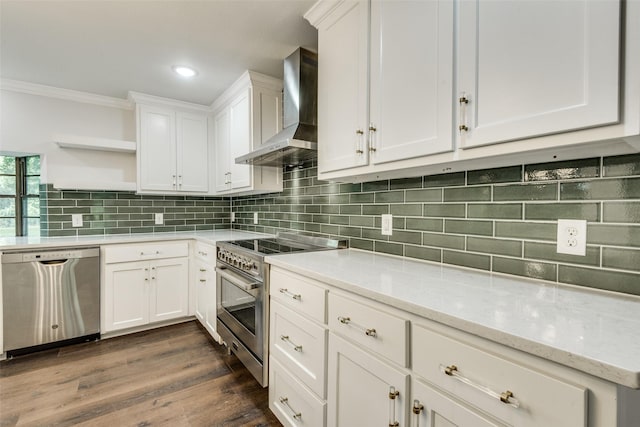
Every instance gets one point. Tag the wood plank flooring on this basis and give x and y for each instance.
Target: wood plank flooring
(172, 376)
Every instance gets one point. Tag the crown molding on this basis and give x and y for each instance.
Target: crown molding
(246, 80)
(65, 94)
(320, 11)
(143, 98)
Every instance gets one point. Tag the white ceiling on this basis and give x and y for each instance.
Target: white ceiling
(110, 47)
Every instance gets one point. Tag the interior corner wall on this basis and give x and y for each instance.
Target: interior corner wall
(28, 123)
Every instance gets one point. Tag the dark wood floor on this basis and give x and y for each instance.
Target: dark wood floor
(172, 376)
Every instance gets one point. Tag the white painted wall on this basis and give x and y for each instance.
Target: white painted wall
(28, 122)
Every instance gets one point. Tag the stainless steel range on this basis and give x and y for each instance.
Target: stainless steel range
(242, 279)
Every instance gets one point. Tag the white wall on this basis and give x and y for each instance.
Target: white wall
(27, 123)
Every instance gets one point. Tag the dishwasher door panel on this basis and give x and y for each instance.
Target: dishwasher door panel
(49, 301)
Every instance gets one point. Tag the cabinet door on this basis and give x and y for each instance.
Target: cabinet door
(126, 295)
(431, 408)
(222, 153)
(342, 79)
(169, 289)
(201, 277)
(530, 68)
(192, 152)
(411, 79)
(359, 388)
(240, 138)
(157, 149)
(210, 306)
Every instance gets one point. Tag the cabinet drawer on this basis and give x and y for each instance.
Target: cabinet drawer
(301, 345)
(144, 251)
(480, 377)
(288, 398)
(369, 326)
(204, 252)
(299, 293)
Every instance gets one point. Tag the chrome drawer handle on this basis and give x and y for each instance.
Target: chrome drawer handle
(203, 280)
(505, 397)
(286, 292)
(296, 347)
(285, 401)
(370, 332)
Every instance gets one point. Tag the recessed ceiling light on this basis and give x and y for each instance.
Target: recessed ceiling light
(184, 71)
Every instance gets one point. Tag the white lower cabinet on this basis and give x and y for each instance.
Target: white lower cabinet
(297, 349)
(204, 286)
(387, 367)
(144, 284)
(433, 408)
(291, 401)
(364, 390)
(487, 381)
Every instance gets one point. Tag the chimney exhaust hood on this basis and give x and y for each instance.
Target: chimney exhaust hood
(298, 140)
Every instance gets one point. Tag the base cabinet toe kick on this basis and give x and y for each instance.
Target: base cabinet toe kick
(340, 360)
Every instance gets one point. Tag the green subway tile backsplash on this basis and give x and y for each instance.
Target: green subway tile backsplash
(109, 212)
(502, 219)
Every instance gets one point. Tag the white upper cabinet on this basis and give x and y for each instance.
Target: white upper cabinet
(172, 150)
(411, 79)
(157, 152)
(410, 88)
(531, 68)
(192, 163)
(245, 116)
(385, 79)
(342, 84)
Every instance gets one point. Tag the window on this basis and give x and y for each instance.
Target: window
(19, 196)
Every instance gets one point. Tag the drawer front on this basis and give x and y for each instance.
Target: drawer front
(144, 251)
(204, 252)
(301, 346)
(369, 326)
(291, 402)
(299, 293)
(480, 377)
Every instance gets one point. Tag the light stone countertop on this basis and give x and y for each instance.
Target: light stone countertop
(36, 242)
(592, 331)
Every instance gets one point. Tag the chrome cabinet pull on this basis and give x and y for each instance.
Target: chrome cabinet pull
(372, 144)
(393, 394)
(203, 280)
(463, 101)
(360, 134)
(285, 401)
(203, 270)
(286, 292)
(417, 410)
(286, 339)
(505, 397)
(179, 180)
(173, 177)
(370, 332)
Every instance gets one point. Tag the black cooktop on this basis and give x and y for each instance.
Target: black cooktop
(272, 246)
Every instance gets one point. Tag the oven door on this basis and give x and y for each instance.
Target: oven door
(240, 307)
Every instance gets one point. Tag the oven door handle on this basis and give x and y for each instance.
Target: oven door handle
(238, 280)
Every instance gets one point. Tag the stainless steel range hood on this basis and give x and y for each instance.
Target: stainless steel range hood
(298, 140)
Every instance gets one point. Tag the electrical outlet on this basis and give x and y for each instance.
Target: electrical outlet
(233, 217)
(255, 217)
(159, 219)
(572, 237)
(387, 225)
(76, 220)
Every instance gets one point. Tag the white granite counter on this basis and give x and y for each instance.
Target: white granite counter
(36, 242)
(591, 331)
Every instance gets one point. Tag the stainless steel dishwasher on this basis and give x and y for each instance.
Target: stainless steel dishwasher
(50, 297)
